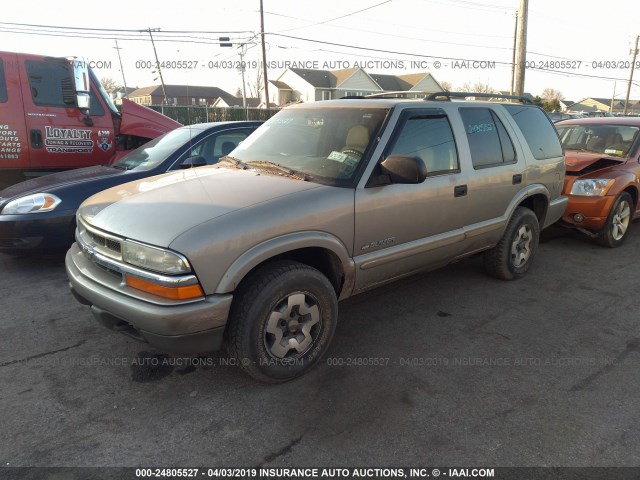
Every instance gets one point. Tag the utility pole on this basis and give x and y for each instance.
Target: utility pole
(513, 56)
(633, 64)
(522, 46)
(243, 47)
(613, 96)
(126, 92)
(164, 91)
(264, 57)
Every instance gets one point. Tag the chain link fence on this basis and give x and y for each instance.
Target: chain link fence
(188, 115)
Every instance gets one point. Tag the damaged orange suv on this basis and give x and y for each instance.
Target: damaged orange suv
(602, 170)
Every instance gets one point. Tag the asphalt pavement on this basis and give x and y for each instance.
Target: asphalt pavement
(449, 367)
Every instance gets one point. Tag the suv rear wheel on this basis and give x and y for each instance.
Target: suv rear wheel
(511, 257)
(282, 321)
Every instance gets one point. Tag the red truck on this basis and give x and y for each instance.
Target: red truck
(55, 115)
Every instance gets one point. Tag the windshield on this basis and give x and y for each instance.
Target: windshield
(324, 145)
(156, 151)
(103, 93)
(614, 140)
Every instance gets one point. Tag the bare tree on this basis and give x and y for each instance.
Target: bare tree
(446, 86)
(477, 87)
(255, 86)
(109, 84)
(551, 94)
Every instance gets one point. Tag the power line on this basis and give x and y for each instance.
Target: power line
(355, 47)
(336, 18)
(120, 30)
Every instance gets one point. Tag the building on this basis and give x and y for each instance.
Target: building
(191, 95)
(565, 104)
(305, 85)
(235, 102)
(593, 104)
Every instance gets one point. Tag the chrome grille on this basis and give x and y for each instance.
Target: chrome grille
(102, 242)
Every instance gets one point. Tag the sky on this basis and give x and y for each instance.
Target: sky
(443, 37)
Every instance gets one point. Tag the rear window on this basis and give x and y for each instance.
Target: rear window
(3, 84)
(538, 131)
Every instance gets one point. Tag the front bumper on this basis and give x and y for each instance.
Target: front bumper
(36, 231)
(595, 211)
(172, 326)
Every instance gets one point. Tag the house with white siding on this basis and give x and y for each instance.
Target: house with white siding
(306, 85)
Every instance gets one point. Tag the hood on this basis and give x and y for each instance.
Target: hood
(144, 122)
(156, 210)
(583, 162)
(56, 180)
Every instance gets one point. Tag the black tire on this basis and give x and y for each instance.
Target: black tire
(513, 254)
(309, 308)
(618, 222)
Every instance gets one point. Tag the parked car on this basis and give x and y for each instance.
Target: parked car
(39, 214)
(324, 201)
(603, 176)
(558, 116)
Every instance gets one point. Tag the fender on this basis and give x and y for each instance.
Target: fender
(283, 244)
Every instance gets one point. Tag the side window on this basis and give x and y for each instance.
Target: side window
(216, 146)
(431, 139)
(50, 84)
(489, 141)
(3, 84)
(537, 130)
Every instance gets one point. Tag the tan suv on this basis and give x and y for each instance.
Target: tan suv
(323, 201)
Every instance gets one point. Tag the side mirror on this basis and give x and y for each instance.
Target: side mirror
(81, 84)
(195, 161)
(404, 169)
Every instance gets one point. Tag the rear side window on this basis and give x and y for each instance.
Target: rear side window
(537, 130)
(3, 84)
(430, 139)
(489, 141)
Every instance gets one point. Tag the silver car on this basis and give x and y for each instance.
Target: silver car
(324, 201)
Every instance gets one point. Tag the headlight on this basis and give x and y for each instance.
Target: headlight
(153, 258)
(596, 187)
(38, 202)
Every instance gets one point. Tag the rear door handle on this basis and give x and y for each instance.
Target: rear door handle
(460, 191)
(517, 179)
(35, 137)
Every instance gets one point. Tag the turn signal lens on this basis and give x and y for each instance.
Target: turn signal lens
(185, 292)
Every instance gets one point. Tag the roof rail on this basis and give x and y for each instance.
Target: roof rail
(393, 93)
(450, 95)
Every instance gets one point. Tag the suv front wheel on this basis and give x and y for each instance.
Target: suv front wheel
(513, 254)
(282, 321)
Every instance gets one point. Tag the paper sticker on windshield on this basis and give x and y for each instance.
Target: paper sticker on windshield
(611, 151)
(343, 158)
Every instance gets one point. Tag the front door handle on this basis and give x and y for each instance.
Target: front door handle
(460, 191)
(35, 137)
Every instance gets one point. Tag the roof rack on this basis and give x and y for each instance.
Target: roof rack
(431, 96)
(450, 95)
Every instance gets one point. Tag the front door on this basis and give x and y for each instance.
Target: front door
(60, 136)
(403, 228)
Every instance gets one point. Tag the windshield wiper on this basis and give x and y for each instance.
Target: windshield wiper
(119, 167)
(234, 161)
(275, 166)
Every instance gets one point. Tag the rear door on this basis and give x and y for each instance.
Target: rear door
(498, 168)
(14, 145)
(60, 136)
